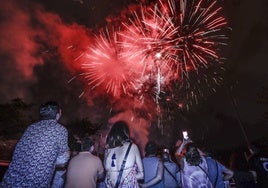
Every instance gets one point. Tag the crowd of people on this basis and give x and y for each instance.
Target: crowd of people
(42, 158)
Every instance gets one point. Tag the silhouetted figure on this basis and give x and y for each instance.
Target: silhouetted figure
(244, 178)
(259, 163)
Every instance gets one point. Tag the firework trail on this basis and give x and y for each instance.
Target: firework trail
(199, 39)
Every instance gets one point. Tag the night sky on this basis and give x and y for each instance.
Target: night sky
(32, 70)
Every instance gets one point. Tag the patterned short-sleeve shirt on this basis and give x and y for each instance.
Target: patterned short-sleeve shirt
(35, 155)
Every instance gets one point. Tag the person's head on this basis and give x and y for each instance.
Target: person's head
(166, 156)
(150, 148)
(192, 154)
(87, 145)
(118, 134)
(50, 110)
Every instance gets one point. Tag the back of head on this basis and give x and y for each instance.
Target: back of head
(86, 144)
(150, 148)
(118, 134)
(166, 157)
(49, 110)
(192, 155)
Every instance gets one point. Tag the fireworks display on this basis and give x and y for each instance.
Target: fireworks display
(104, 68)
(166, 47)
(138, 62)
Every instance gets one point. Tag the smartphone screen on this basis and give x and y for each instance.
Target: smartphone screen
(185, 135)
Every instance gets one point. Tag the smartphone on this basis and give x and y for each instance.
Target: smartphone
(185, 135)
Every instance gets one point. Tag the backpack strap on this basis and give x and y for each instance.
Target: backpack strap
(215, 183)
(122, 167)
(171, 174)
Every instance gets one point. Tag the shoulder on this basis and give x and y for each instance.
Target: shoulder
(93, 159)
(205, 159)
(209, 160)
(60, 127)
(31, 127)
(34, 125)
(134, 146)
(171, 163)
(220, 165)
(96, 158)
(98, 161)
(75, 158)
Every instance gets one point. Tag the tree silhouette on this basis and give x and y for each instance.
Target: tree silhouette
(15, 117)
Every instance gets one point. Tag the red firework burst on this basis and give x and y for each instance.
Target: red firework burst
(187, 36)
(159, 45)
(105, 69)
(146, 40)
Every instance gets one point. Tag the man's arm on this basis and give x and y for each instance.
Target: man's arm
(227, 173)
(157, 178)
(179, 151)
(64, 151)
(62, 160)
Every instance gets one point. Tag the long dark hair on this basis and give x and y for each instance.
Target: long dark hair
(192, 155)
(118, 134)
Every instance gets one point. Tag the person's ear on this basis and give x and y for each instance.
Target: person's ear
(58, 115)
(91, 149)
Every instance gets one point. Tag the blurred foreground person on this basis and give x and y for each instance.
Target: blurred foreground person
(84, 169)
(34, 159)
(258, 163)
(243, 176)
(122, 158)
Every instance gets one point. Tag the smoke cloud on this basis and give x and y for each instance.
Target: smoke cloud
(31, 41)
(39, 54)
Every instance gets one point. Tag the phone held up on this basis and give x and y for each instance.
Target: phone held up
(185, 135)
